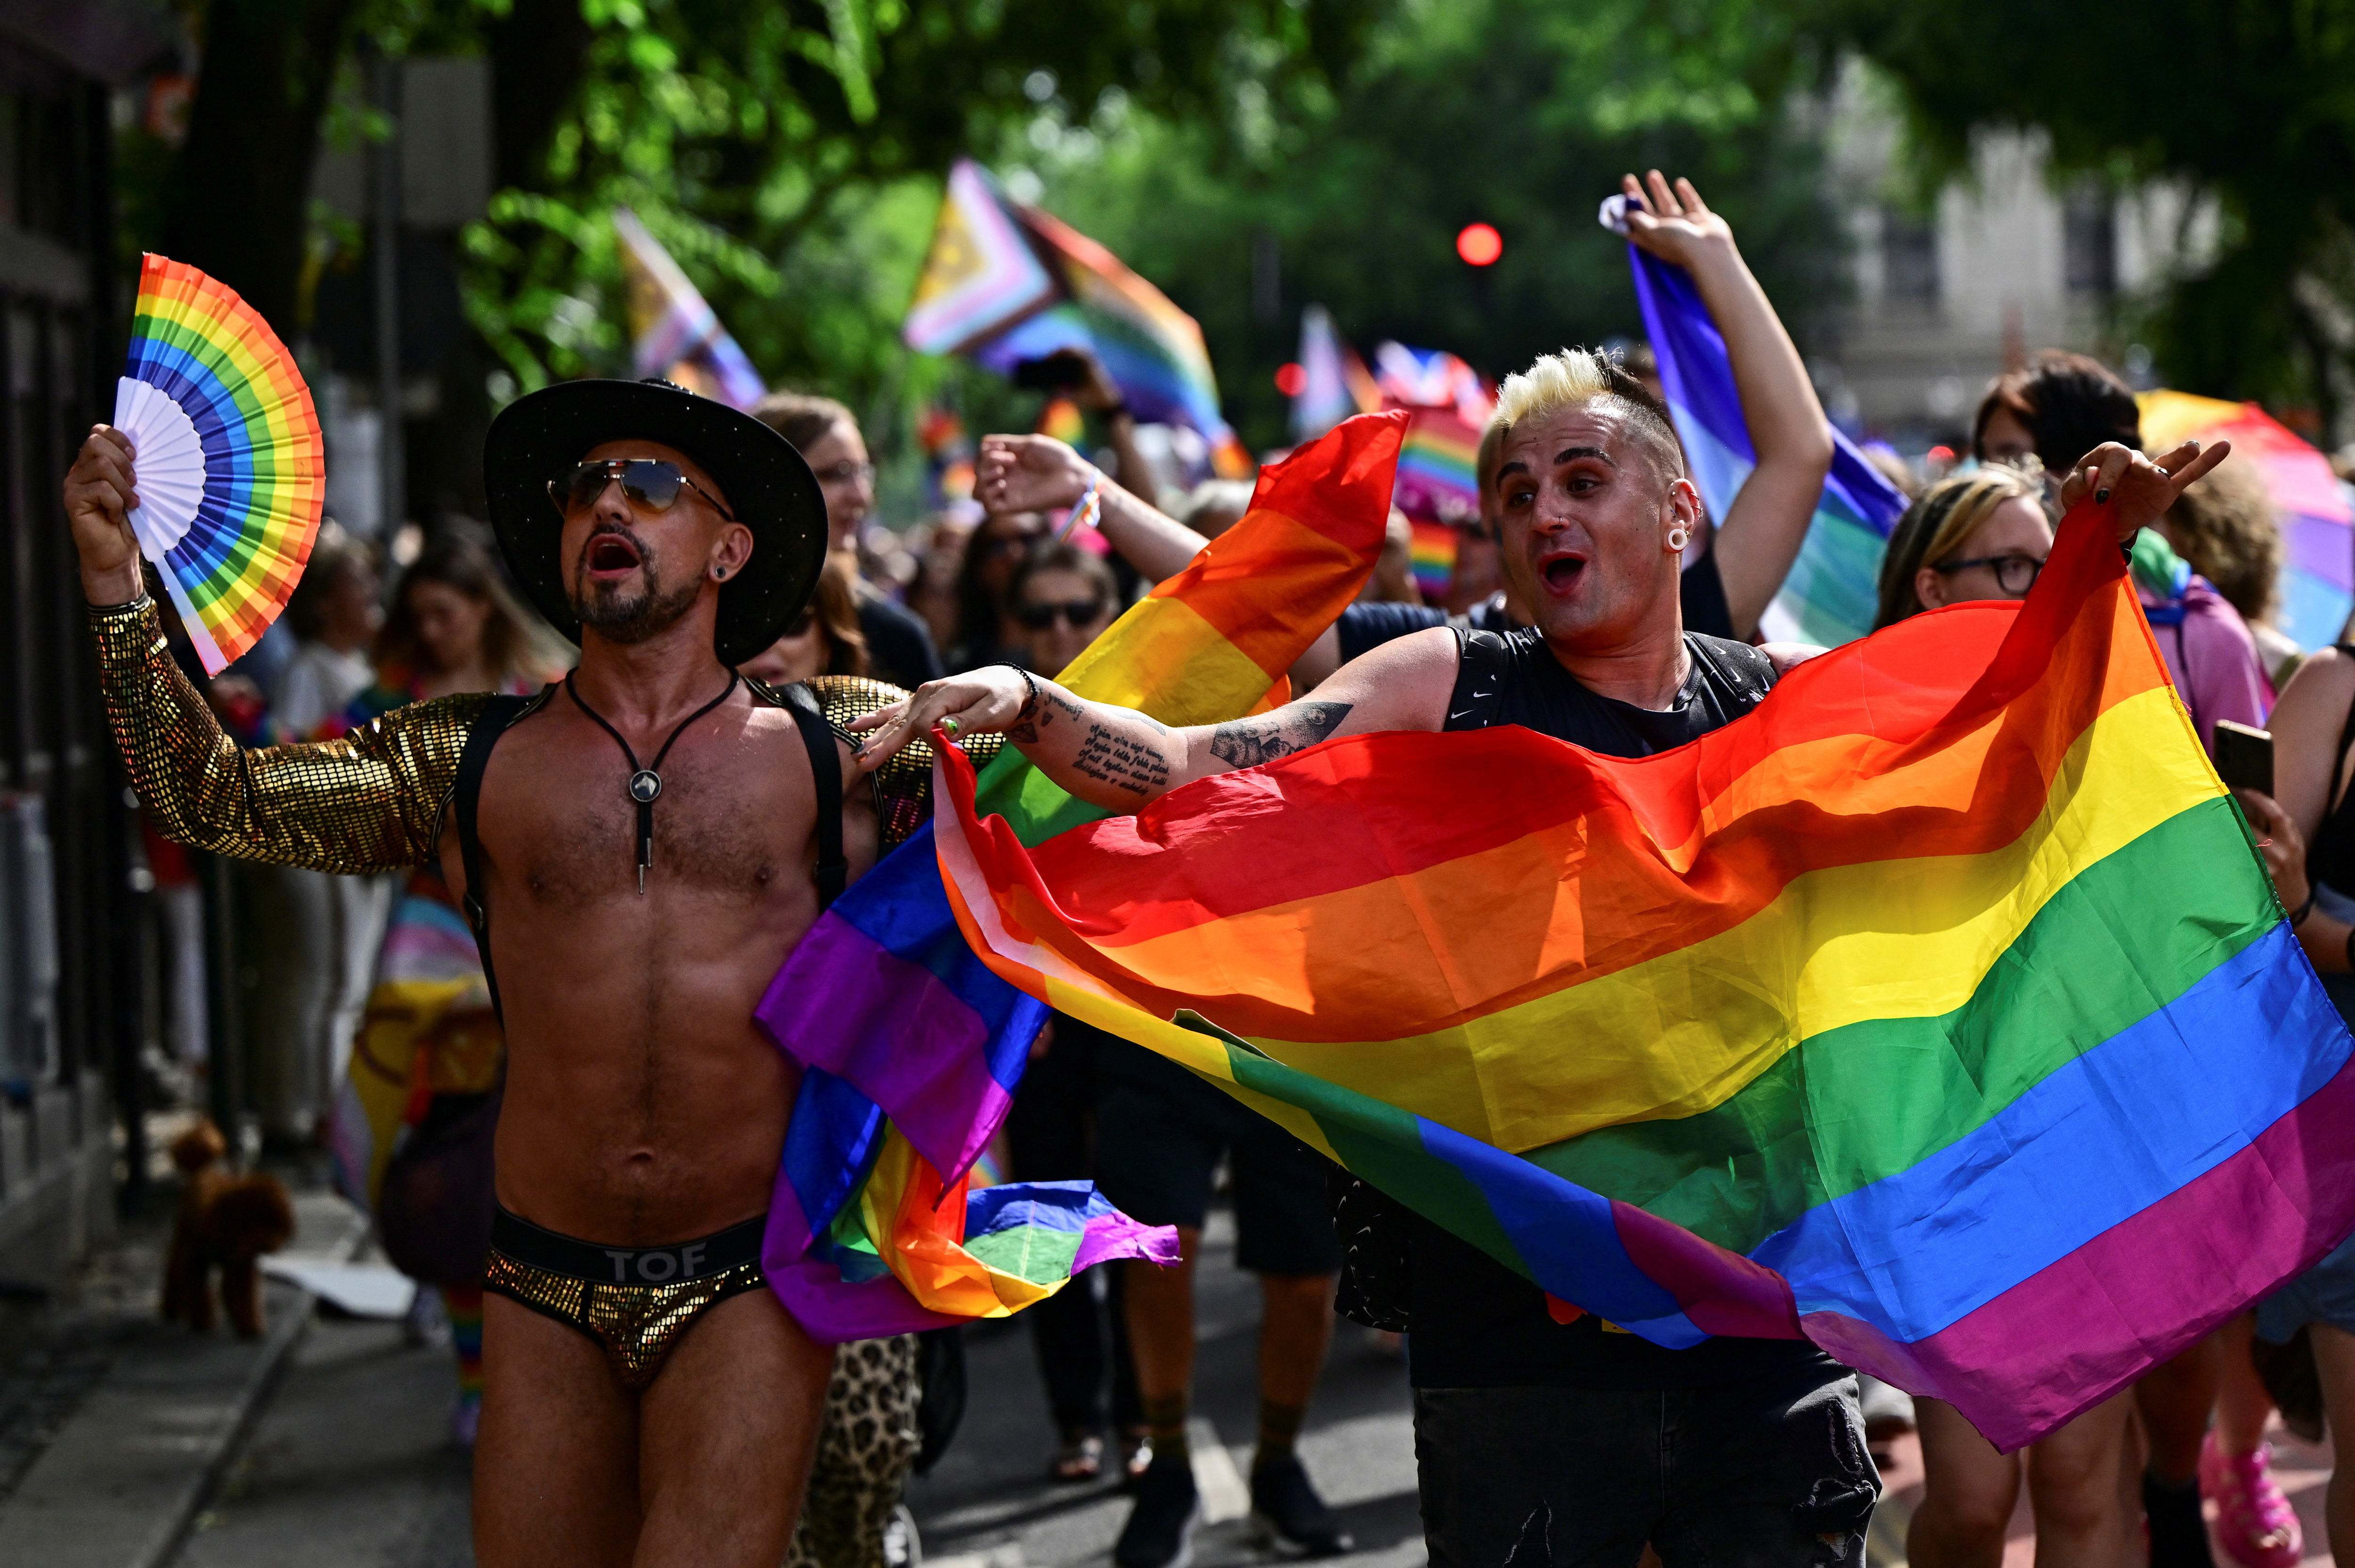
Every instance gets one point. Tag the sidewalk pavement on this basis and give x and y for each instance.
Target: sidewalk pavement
(152, 1414)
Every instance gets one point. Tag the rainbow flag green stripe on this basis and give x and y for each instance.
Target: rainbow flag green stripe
(1864, 1101)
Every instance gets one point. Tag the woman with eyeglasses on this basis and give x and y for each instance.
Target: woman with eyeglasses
(1062, 597)
(1981, 535)
(899, 646)
(988, 632)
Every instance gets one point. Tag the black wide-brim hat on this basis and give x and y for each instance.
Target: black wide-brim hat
(764, 480)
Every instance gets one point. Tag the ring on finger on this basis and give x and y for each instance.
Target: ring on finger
(952, 727)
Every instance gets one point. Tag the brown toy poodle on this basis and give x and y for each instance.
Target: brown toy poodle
(226, 1222)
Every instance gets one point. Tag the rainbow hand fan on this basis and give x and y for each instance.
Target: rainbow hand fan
(229, 464)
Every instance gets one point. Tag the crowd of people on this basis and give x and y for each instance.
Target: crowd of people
(1540, 1438)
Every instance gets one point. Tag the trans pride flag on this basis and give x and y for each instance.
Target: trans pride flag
(1937, 1011)
(911, 1049)
(1830, 596)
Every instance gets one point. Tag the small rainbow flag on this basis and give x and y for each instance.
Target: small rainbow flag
(1438, 475)
(1432, 556)
(1830, 594)
(911, 1049)
(1937, 1011)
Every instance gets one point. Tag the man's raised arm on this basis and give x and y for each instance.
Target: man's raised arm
(369, 802)
(1119, 758)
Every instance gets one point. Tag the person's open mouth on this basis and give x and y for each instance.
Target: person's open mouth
(1562, 571)
(611, 555)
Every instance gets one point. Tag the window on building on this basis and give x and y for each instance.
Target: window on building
(1909, 256)
(2089, 239)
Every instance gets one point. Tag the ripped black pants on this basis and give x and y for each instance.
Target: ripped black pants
(1767, 1473)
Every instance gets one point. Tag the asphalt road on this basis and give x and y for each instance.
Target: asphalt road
(351, 1464)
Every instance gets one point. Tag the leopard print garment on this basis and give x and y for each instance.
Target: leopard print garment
(865, 1450)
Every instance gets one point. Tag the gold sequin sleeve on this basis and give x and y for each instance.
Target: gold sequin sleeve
(903, 785)
(371, 801)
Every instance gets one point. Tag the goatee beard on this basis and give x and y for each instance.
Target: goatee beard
(632, 615)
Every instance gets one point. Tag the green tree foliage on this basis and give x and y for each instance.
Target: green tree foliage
(1520, 113)
(767, 144)
(777, 149)
(2251, 102)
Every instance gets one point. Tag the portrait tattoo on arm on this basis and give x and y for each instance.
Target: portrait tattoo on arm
(1247, 743)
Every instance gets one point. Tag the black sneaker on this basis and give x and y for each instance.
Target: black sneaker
(1160, 1529)
(1287, 1508)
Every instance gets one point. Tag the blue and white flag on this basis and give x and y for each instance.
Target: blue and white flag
(1830, 596)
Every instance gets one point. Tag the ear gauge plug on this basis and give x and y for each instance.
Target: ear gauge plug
(1678, 538)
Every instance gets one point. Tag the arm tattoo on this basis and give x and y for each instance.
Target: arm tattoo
(1122, 761)
(1247, 743)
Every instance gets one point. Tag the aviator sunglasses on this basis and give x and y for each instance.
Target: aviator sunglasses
(647, 483)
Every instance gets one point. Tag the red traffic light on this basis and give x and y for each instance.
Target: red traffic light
(1480, 244)
(1290, 379)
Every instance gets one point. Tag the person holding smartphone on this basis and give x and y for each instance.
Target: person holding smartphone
(2306, 834)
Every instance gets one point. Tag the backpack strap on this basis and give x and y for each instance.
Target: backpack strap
(825, 772)
(466, 800)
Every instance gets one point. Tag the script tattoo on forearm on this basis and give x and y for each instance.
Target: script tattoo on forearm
(1247, 743)
(1124, 761)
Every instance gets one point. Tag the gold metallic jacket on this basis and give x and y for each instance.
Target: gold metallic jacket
(372, 800)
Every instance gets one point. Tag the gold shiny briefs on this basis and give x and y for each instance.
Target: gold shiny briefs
(635, 1302)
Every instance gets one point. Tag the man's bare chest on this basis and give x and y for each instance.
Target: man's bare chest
(732, 820)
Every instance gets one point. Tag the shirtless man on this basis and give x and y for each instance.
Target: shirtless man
(648, 1401)
(1532, 1434)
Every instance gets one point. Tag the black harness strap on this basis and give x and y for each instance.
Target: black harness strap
(826, 773)
(466, 800)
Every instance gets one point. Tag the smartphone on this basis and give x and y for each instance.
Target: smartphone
(2244, 756)
(1052, 373)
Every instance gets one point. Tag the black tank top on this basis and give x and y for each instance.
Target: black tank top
(1475, 1323)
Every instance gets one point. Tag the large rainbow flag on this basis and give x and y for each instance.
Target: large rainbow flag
(1830, 596)
(911, 1049)
(1938, 1012)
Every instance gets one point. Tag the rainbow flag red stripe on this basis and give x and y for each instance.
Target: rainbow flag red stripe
(1938, 1012)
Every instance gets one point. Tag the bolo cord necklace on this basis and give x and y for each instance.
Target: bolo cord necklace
(645, 783)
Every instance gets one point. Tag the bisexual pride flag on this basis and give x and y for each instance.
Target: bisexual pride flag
(911, 1048)
(1830, 596)
(1938, 1012)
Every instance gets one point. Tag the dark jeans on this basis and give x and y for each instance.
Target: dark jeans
(1771, 1473)
(1081, 1342)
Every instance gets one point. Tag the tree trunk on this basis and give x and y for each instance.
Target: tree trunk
(539, 53)
(239, 206)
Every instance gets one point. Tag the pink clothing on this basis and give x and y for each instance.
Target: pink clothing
(2212, 658)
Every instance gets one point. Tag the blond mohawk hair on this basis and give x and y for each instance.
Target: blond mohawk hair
(1571, 379)
(1557, 381)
